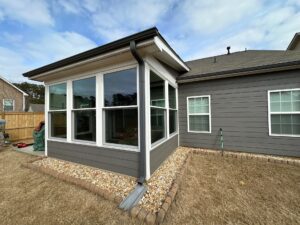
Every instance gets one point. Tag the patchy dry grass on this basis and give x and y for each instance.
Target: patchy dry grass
(215, 190)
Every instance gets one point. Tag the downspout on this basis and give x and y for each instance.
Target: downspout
(137, 194)
(142, 119)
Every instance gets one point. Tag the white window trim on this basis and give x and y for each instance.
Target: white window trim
(49, 111)
(9, 99)
(103, 108)
(173, 109)
(100, 123)
(71, 100)
(279, 113)
(188, 114)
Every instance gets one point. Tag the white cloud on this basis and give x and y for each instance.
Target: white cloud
(29, 12)
(113, 21)
(40, 51)
(212, 16)
(12, 64)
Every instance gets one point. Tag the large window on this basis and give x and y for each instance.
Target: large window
(172, 110)
(57, 110)
(199, 114)
(158, 108)
(120, 107)
(284, 112)
(8, 105)
(84, 109)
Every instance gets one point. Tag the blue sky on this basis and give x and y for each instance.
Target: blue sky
(38, 32)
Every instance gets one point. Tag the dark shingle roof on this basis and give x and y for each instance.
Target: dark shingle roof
(240, 62)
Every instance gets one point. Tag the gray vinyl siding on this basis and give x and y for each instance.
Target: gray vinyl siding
(115, 160)
(240, 107)
(161, 152)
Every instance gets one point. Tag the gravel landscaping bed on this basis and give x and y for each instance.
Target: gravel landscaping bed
(121, 185)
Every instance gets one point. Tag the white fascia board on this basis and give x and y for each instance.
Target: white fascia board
(97, 58)
(164, 48)
(6, 81)
(155, 65)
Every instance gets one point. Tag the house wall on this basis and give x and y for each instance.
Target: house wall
(240, 107)
(115, 160)
(161, 152)
(9, 92)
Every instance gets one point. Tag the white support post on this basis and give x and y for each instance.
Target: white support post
(148, 120)
(167, 108)
(69, 111)
(46, 118)
(99, 105)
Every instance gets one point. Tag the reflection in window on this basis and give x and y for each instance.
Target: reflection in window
(120, 107)
(199, 114)
(120, 88)
(158, 110)
(122, 126)
(84, 93)
(85, 125)
(57, 94)
(285, 112)
(8, 105)
(58, 125)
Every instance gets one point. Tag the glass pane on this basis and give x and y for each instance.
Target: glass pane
(199, 123)
(84, 93)
(286, 106)
(286, 96)
(58, 126)
(296, 106)
(172, 121)
(285, 119)
(121, 126)
(296, 129)
(8, 105)
(157, 124)
(275, 119)
(275, 106)
(120, 88)
(275, 129)
(296, 119)
(157, 90)
(286, 128)
(85, 125)
(296, 95)
(172, 97)
(198, 105)
(275, 96)
(58, 96)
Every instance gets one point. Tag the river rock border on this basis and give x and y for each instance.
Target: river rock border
(157, 218)
(244, 155)
(73, 180)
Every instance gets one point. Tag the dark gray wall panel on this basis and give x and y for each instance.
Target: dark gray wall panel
(161, 152)
(120, 161)
(240, 106)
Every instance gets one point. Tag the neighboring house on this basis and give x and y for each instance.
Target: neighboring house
(125, 106)
(295, 43)
(36, 108)
(12, 99)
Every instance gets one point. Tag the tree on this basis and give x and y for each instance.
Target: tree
(36, 92)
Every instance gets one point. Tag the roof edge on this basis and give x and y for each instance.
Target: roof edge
(6, 81)
(241, 72)
(293, 41)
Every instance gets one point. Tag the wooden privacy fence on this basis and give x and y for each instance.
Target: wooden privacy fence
(20, 125)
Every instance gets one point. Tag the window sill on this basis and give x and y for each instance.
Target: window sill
(284, 135)
(200, 132)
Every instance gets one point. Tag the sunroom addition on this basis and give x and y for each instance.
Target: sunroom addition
(116, 110)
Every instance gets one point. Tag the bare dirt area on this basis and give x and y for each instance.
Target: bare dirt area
(215, 190)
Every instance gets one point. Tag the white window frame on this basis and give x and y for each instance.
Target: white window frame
(73, 110)
(279, 113)
(57, 110)
(173, 109)
(198, 114)
(8, 99)
(103, 108)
